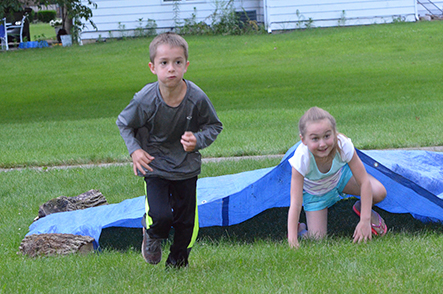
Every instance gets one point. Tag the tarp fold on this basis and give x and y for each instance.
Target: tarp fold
(413, 180)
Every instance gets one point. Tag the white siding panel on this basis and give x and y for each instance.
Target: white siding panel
(114, 15)
(282, 14)
(349, 14)
(429, 8)
(351, 7)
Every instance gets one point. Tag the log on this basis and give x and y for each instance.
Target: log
(55, 244)
(62, 244)
(88, 199)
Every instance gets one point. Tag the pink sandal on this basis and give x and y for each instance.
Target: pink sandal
(378, 230)
(301, 230)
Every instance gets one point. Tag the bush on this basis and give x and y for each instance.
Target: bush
(225, 21)
(46, 15)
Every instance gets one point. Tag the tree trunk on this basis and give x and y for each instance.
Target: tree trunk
(68, 25)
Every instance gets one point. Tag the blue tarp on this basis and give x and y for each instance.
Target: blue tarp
(413, 179)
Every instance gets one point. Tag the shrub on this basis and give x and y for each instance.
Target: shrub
(225, 21)
(46, 15)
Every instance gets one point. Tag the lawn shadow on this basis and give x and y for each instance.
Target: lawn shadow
(272, 225)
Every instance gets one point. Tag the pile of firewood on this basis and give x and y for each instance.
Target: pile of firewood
(62, 244)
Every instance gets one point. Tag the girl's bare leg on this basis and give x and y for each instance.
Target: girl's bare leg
(317, 222)
(378, 190)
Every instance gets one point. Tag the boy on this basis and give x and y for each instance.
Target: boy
(163, 127)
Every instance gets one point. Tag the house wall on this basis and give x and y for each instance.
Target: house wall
(283, 15)
(428, 7)
(115, 18)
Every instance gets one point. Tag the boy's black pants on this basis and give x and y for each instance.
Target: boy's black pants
(172, 204)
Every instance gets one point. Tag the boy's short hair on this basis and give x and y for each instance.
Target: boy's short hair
(170, 38)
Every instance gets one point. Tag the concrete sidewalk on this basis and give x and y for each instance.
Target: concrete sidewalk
(204, 160)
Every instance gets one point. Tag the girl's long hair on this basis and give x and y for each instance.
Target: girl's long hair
(315, 114)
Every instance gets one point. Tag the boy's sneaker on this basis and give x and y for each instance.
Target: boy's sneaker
(176, 264)
(151, 249)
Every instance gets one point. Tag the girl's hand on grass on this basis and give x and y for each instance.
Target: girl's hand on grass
(141, 159)
(293, 243)
(362, 232)
(188, 141)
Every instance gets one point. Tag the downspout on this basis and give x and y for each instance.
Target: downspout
(416, 10)
(266, 16)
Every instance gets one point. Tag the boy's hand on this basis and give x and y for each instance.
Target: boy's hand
(188, 141)
(140, 159)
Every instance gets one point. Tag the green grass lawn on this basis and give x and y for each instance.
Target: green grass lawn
(252, 257)
(382, 83)
(41, 30)
(59, 105)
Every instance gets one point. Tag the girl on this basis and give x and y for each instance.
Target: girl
(324, 166)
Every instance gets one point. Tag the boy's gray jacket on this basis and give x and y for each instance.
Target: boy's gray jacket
(150, 124)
